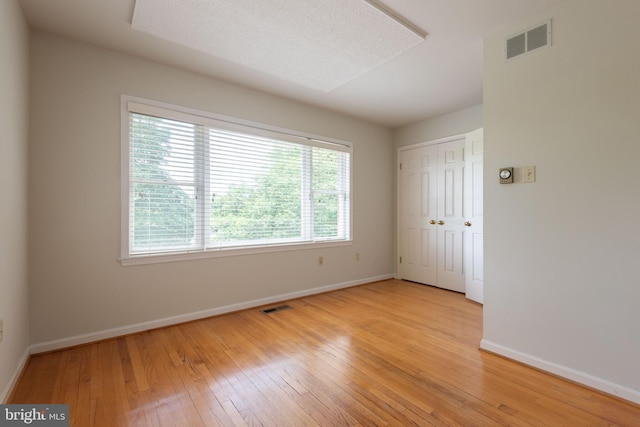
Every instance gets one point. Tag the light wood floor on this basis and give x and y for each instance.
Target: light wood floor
(387, 353)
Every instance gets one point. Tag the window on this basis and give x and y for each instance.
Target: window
(195, 183)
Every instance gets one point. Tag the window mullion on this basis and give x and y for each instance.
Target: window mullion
(343, 200)
(202, 186)
(206, 183)
(307, 194)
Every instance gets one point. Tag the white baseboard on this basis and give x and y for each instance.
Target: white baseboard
(14, 378)
(563, 371)
(167, 321)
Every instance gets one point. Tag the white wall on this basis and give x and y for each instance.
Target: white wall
(455, 123)
(561, 258)
(14, 85)
(78, 285)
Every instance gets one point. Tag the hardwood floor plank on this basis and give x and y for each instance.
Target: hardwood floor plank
(137, 365)
(387, 353)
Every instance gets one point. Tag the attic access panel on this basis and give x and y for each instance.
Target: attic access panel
(321, 44)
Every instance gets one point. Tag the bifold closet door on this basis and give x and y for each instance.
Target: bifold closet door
(474, 215)
(431, 216)
(417, 233)
(451, 215)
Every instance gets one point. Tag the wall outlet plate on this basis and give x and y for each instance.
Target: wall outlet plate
(529, 174)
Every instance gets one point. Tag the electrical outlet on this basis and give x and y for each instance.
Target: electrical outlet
(357, 256)
(1, 329)
(320, 260)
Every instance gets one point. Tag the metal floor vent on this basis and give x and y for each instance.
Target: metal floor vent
(274, 309)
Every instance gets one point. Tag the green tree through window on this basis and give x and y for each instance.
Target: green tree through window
(163, 211)
(267, 208)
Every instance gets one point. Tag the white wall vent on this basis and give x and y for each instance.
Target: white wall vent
(527, 41)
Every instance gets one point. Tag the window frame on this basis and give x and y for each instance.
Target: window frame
(169, 111)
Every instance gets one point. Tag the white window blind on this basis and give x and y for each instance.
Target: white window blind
(196, 183)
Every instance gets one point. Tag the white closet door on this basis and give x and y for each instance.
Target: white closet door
(417, 234)
(474, 207)
(430, 215)
(451, 215)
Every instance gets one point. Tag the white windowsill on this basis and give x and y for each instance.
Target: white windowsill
(226, 252)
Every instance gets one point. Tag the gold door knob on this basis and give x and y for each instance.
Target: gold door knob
(467, 223)
(433, 221)
(441, 222)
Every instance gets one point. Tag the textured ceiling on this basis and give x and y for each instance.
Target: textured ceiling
(440, 75)
(321, 44)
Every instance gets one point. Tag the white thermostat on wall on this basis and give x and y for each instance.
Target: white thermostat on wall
(506, 175)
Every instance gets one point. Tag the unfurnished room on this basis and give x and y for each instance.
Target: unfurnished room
(319, 212)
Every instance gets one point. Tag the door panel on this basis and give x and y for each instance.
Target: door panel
(417, 236)
(428, 241)
(428, 206)
(451, 213)
(474, 235)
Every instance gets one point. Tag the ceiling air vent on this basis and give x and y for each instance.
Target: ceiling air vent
(528, 40)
